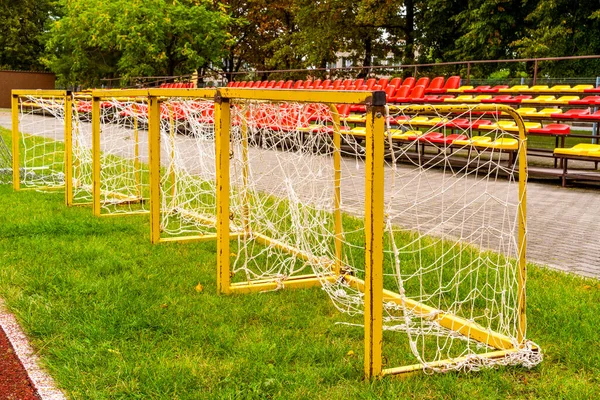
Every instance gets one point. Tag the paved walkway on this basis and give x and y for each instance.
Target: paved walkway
(563, 223)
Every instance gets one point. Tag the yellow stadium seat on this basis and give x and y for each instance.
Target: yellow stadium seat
(526, 111)
(459, 90)
(546, 112)
(408, 135)
(514, 89)
(560, 88)
(539, 88)
(475, 140)
(500, 144)
(435, 121)
(564, 99)
(580, 88)
(465, 98)
(419, 120)
(482, 97)
(355, 118)
(540, 99)
(359, 131)
(581, 149)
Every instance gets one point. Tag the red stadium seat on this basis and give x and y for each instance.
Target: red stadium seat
(383, 82)
(279, 84)
(429, 136)
(587, 100)
(552, 129)
(452, 83)
(424, 81)
(232, 84)
(271, 84)
(326, 84)
(370, 83)
(594, 90)
(298, 84)
(359, 82)
(396, 82)
(288, 84)
(390, 92)
(416, 95)
(401, 93)
(436, 83)
(447, 140)
(575, 113)
(410, 82)
(478, 89)
(336, 84)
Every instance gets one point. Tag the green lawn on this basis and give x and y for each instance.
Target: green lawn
(113, 316)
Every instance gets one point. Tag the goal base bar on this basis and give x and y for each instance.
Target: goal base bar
(415, 368)
(197, 238)
(295, 282)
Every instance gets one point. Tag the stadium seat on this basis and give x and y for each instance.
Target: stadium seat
(563, 100)
(539, 88)
(448, 140)
(452, 83)
(472, 141)
(390, 92)
(279, 84)
(271, 84)
(410, 135)
(346, 83)
(581, 149)
(336, 84)
(429, 136)
(288, 84)
(514, 89)
(435, 84)
(552, 129)
(572, 114)
(383, 82)
(592, 90)
(298, 84)
(410, 82)
(326, 84)
(416, 94)
(370, 83)
(396, 82)
(501, 98)
(460, 89)
(401, 93)
(494, 89)
(524, 111)
(498, 144)
(547, 112)
(477, 89)
(423, 81)
(465, 98)
(231, 84)
(263, 85)
(544, 99)
(587, 100)
(560, 88)
(580, 88)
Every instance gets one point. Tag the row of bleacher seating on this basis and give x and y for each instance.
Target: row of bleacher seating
(180, 85)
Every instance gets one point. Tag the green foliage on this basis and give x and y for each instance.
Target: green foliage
(97, 39)
(21, 28)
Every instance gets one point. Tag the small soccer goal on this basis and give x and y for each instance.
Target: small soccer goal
(411, 219)
(40, 121)
(119, 154)
(183, 183)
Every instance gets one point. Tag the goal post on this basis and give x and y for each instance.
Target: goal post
(119, 146)
(459, 268)
(41, 139)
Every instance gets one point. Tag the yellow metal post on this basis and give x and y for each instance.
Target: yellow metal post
(96, 201)
(16, 138)
(68, 157)
(522, 217)
(374, 226)
(136, 160)
(154, 154)
(222, 139)
(337, 194)
(245, 178)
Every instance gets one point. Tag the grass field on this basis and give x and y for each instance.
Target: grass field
(114, 317)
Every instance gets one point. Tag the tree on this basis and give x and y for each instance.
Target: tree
(98, 39)
(21, 30)
(563, 28)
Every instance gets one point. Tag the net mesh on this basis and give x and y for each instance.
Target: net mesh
(451, 202)
(187, 183)
(41, 141)
(124, 172)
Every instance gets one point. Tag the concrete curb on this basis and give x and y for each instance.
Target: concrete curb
(43, 383)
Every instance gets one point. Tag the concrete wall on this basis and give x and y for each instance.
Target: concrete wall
(10, 80)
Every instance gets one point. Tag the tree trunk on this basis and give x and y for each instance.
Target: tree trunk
(367, 60)
(409, 52)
